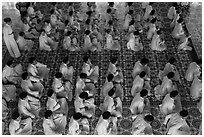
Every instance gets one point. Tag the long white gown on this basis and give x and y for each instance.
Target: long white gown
(157, 44)
(196, 88)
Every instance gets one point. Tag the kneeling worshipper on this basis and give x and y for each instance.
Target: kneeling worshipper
(20, 125)
(62, 88)
(84, 103)
(134, 42)
(9, 92)
(196, 88)
(28, 106)
(46, 43)
(37, 70)
(106, 124)
(91, 70)
(24, 44)
(54, 125)
(171, 103)
(193, 70)
(177, 124)
(141, 124)
(11, 73)
(157, 43)
(78, 125)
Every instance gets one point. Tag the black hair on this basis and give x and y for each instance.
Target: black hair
(142, 74)
(143, 93)
(136, 33)
(15, 115)
(24, 75)
(152, 12)
(132, 22)
(106, 115)
(77, 116)
(9, 63)
(38, 21)
(173, 93)
(110, 22)
(170, 75)
(183, 113)
(149, 118)
(66, 22)
(108, 10)
(110, 77)
(88, 21)
(83, 75)
(85, 59)
(71, 13)
(108, 31)
(89, 13)
(113, 60)
(111, 4)
(174, 4)
(47, 114)
(31, 60)
(42, 30)
(6, 20)
(111, 92)
(52, 11)
(87, 32)
(130, 4)
(130, 12)
(53, 3)
(153, 20)
(23, 95)
(21, 33)
(159, 32)
(199, 61)
(180, 20)
(65, 60)
(50, 92)
(83, 95)
(151, 3)
(144, 61)
(58, 75)
(69, 33)
(172, 60)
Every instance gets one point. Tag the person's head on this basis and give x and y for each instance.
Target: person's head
(132, 22)
(38, 21)
(174, 4)
(114, 60)
(180, 20)
(130, 4)
(111, 92)
(199, 61)
(54, 3)
(153, 20)
(66, 22)
(83, 75)
(110, 22)
(173, 93)
(170, 75)
(159, 32)
(15, 115)
(151, 3)
(9, 63)
(183, 113)
(21, 33)
(152, 12)
(111, 4)
(32, 60)
(142, 74)
(87, 32)
(43, 32)
(71, 13)
(88, 21)
(89, 13)
(66, 60)
(108, 31)
(130, 12)
(144, 61)
(148, 118)
(77, 116)
(58, 75)
(172, 60)
(50, 92)
(48, 114)
(110, 77)
(7, 20)
(86, 59)
(143, 93)
(23, 95)
(136, 33)
(109, 10)
(52, 11)
(24, 76)
(46, 22)
(106, 115)
(83, 95)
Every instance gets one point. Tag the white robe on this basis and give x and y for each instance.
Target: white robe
(66, 71)
(171, 13)
(137, 104)
(192, 71)
(167, 105)
(137, 85)
(157, 44)
(24, 44)
(151, 31)
(49, 127)
(73, 127)
(12, 74)
(101, 127)
(196, 88)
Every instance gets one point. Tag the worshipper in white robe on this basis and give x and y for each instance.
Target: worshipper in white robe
(176, 18)
(47, 27)
(169, 103)
(53, 125)
(19, 126)
(170, 67)
(108, 16)
(115, 69)
(139, 102)
(157, 43)
(96, 43)
(24, 44)
(141, 125)
(128, 18)
(37, 70)
(141, 65)
(66, 70)
(84, 103)
(176, 123)
(80, 84)
(103, 126)
(31, 11)
(109, 40)
(9, 39)
(148, 9)
(196, 88)
(88, 46)
(69, 43)
(30, 33)
(11, 73)
(131, 28)
(46, 43)
(178, 31)
(91, 70)
(55, 19)
(172, 11)
(134, 42)
(9, 92)
(152, 29)
(193, 70)
(184, 43)
(166, 86)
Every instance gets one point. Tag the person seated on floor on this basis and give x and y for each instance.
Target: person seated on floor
(87, 42)
(58, 106)
(84, 103)
(9, 92)
(112, 103)
(53, 125)
(37, 70)
(157, 43)
(29, 32)
(115, 69)
(67, 42)
(178, 31)
(20, 126)
(166, 86)
(91, 70)
(183, 43)
(142, 124)
(177, 124)
(104, 127)
(31, 11)
(99, 36)
(46, 43)
(63, 89)
(141, 65)
(108, 16)
(148, 9)
(128, 19)
(194, 70)
(11, 73)
(131, 28)
(66, 69)
(24, 44)
(80, 84)
(139, 102)
(172, 11)
(116, 44)
(47, 27)
(54, 21)
(171, 103)
(196, 88)
(134, 42)
(176, 17)
(109, 40)
(170, 67)
(152, 28)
